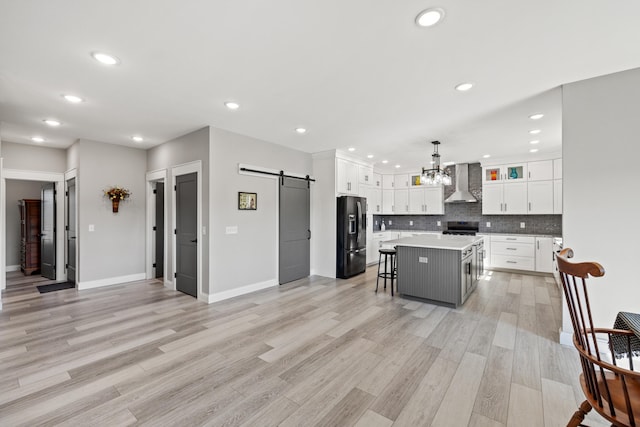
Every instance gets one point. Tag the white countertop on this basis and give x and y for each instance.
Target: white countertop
(437, 241)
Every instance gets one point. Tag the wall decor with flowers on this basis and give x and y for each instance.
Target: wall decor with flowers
(116, 194)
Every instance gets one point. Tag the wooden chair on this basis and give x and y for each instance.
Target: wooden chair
(613, 391)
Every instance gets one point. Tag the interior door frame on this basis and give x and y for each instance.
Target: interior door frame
(184, 169)
(153, 177)
(72, 174)
(28, 175)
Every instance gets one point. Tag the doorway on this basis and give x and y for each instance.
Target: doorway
(186, 232)
(295, 229)
(13, 185)
(48, 230)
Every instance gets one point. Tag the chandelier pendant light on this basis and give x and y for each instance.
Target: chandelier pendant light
(435, 175)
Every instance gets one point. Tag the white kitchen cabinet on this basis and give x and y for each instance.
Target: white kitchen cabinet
(374, 200)
(365, 174)
(401, 202)
(557, 196)
(504, 199)
(415, 180)
(416, 201)
(401, 181)
(513, 252)
(387, 202)
(374, 247)
(346, 177)
(540, 171)
(426, 200)
(377, 180)
(504, 173)
(544, 254)
(387, 182)
(557, 169)
(540, 194)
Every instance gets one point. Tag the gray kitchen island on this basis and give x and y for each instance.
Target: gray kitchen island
(440, 269)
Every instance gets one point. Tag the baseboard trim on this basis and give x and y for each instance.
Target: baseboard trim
(9, 268)
(220, 296)
(566, 338)
(110, 281)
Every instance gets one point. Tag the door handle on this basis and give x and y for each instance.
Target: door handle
(309, 235)
(194, 241)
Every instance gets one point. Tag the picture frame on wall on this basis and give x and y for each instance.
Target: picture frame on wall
(247, 201)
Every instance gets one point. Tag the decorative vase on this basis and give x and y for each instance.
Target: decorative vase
(514, 173)
(114, 204)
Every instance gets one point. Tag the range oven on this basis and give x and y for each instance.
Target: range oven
(463, 228)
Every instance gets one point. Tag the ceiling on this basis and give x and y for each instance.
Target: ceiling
(355, 73)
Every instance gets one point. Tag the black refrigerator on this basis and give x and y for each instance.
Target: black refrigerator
(351, 253)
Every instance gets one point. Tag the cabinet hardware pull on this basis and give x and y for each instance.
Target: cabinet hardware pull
(512, 249)
(505, 207)
(512, 238)
(511, 262)
(529, 206)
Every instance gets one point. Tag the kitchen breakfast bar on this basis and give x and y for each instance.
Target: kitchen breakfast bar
(441, 269)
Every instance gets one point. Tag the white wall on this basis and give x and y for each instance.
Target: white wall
(324, 224)
(249, 257)
(15, 191)
(115, 251)
(601, 177)
(185, 149)
(33, 158)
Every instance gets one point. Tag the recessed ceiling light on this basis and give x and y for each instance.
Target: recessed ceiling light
(536, 116)
(397, 166)
(533, 150)
(37, 139)
(105, 58)
(463, 87)
(232, 105)
(52, 122)
(429, 17)
(535, 141)
(385, 161)
(486, 156)
(73, 99)
(351, 149)
(369, 156)
(301, 130)
(137, 138)
(535, 131)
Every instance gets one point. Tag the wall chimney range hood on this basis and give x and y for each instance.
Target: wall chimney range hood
(462, 194)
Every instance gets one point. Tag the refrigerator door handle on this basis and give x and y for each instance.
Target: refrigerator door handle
(309, 235)
(358, 216)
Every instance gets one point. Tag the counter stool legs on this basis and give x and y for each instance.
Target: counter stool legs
(388, 253)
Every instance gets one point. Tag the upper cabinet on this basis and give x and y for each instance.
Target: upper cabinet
(365, 175)
(401, 182)
(539, 189)
(346, 177)
(540, 171)
(426, 200)
(377, 180)
(387, 182)
(504, 173)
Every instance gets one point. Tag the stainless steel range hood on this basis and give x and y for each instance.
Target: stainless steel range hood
(462, 193)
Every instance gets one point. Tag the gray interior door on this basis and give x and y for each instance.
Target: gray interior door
(187, 234)
(48, 231)
(159, 229)
(295, 231)
(71, 230)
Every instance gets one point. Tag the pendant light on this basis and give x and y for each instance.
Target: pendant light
(435, 175)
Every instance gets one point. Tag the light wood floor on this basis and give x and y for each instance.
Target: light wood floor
(317, 352)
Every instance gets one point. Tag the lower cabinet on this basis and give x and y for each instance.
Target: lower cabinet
(521, 252)
(544, 254)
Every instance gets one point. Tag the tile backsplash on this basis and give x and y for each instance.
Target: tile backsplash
(534, 224)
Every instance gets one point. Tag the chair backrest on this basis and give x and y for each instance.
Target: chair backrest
(573, 277)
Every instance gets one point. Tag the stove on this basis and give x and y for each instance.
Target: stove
(462, 228)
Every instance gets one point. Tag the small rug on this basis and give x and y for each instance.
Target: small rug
(43, 289)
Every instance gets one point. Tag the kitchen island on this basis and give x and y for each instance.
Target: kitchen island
(440, 269)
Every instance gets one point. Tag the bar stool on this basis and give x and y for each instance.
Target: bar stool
(390, 255)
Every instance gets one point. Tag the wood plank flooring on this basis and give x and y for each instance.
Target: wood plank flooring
(316, 352)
